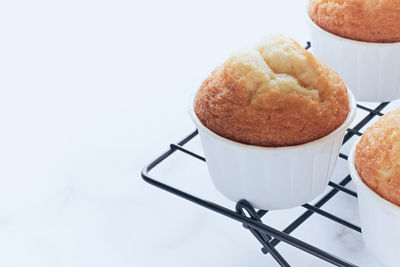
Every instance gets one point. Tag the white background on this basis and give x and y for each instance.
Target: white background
(91, 91)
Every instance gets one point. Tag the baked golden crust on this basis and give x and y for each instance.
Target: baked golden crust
(377, 157)
(364, 20)
(276, 94)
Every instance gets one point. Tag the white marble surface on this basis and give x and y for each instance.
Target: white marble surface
(90, 91)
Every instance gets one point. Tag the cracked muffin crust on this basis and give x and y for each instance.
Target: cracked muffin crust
(377, 157)
(275, 94)
(363, 20)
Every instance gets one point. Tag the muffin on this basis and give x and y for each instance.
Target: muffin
(374, 166)
(377, 157)
(271, 121)
(360, 39)
(274, 94)
(364, 20)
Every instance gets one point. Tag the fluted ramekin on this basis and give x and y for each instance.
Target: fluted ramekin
(380, 220)
(370, 70)
(272, 177)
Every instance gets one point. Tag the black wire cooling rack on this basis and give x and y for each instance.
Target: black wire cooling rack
(268, 236)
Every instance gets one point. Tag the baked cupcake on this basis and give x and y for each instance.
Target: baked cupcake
(377, 157)
(376, 21)
(272, 111)
(360, 39)
(374, 164)
(276, 94)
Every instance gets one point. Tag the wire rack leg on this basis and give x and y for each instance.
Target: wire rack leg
(264, 239)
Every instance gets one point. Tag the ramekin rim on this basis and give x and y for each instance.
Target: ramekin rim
(361, 185)
(349, 119)
(318, 28)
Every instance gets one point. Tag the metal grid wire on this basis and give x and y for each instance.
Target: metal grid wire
(268, 236)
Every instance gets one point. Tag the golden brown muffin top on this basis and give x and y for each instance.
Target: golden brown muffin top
(363, 20)
(275, 94)
(377, 157)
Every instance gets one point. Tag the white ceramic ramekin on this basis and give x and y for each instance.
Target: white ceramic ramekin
(371, 70)
(272, 177)
(380, 220)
